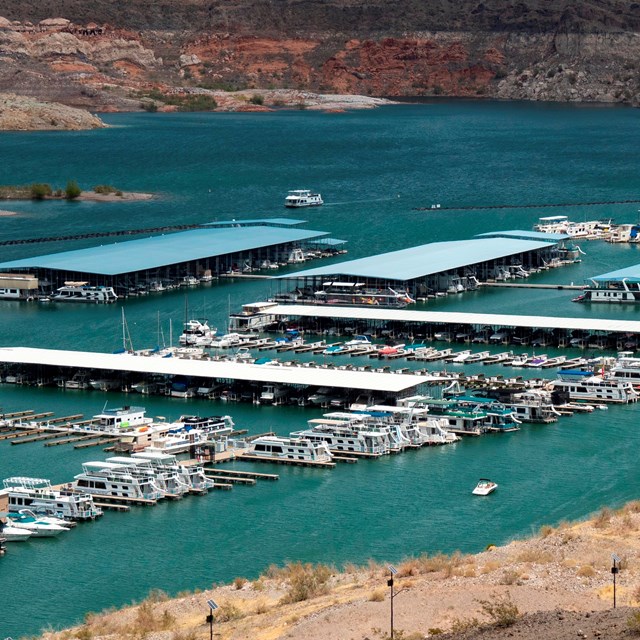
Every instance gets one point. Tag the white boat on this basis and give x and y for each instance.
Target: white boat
(196, 333)
(104, 384)
(302, 198)
(38, 528)
(273, 394)
(293, 448)
(115, 480)
(168, 480)
(227, 341)
(358, 294)
(13, 534)
(83, 292)
(460, 357)
(192, 476)
(584, 385)
(38, 495)
(119, 419)
(346, 436)
(484, 487)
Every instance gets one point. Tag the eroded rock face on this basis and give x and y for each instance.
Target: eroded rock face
(18, 113)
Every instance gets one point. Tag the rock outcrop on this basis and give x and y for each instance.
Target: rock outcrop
(18, 113)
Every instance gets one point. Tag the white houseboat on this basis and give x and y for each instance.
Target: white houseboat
(83, 292)
(109, 479)
(358, 294)
(38, 495)
(191, 475)
(622, 290)
(584, 385)
(119, 419)
(290, 449)
(253, 317)
(302, 198)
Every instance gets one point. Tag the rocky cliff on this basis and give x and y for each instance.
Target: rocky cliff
(586, 51)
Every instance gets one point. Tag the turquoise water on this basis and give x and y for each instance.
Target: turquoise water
(372, 169)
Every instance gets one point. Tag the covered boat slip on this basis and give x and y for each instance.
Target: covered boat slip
(323, 316)
(210, 250)
(299, 376)
(440, 266)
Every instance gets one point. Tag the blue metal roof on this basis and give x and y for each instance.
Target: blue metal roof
(158, 251)
(628, 273)
(525, 235)
(426, 259)
(331, 242)
(282, 222)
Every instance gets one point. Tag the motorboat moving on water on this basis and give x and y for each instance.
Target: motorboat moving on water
(484, 487)
(303, 198)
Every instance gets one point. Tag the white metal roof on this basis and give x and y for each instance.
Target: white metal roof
(444, 317)
(311, 376)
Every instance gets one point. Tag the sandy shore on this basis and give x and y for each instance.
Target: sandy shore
(129, 196)
(554, 586)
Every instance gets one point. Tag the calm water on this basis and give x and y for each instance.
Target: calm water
(372, 168)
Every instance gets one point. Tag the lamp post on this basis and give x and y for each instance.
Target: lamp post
(392, 572)
(615, 569)
(212, 606)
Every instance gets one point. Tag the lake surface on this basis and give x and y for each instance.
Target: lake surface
(372, 168)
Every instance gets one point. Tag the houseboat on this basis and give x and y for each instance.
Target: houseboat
(192, 476)
(109, 479)
(584, 385)
(83, 292)
(292, 448)
(359, 295)
(38, 495)
(168, 480)
(302, 198)
(254, 317)
(114, 421)
(623, 291)
(345, 437)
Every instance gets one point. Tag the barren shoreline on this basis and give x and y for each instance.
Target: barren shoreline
(557, 585)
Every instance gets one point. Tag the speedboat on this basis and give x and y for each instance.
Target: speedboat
(14, 534)
(38, 528)
(484, 487)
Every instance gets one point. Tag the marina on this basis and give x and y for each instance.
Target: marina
(307, 502)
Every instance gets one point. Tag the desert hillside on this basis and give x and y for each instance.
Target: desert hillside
(189, 55)
(556, 585)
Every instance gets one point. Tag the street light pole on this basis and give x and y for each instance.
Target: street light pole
(212, 606)
(615, 569)
(392, 572)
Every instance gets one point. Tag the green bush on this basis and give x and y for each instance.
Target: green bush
(104, 189)
(502, 610)
(72, 190)
(256, 99)
(40, 190)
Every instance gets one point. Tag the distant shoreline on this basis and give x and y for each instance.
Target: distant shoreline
(86, 196)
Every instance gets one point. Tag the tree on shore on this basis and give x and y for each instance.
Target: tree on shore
(72, 190)
(40, 190)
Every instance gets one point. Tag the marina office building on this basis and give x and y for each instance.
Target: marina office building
(202, 253)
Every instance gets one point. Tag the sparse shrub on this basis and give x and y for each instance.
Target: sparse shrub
(438, 90)
(262, 606)
(239, 582)
(490, 567)
(536, 556)
(351, 568)
(510, 577)
(546, 530)
(258, 585)
(84, 633)
(40, 190)
(501, 609)
(435, 631)
(256, 99)
(157, 595)
(633, 622)
(228, 611)
(461, 625)
(603, 518)
(586, 571)
(104, 189)
(632, 507)
(184, 635)
(501, 73)
(409, 568)
(306, 581)
(490, 546)
(377, 596)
